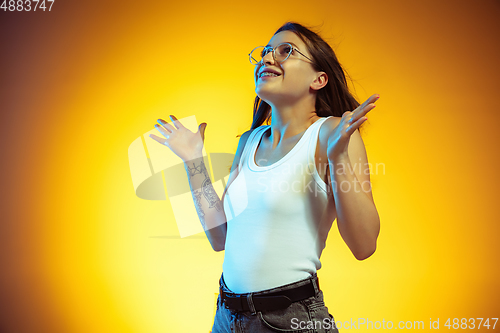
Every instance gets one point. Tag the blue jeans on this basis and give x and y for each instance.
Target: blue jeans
(308, 315)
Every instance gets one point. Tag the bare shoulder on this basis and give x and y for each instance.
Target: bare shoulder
(239, 150)
(357, 151)
(242, 143)
(326, 128)
(356, 145)
(233, 173)
(331, 123)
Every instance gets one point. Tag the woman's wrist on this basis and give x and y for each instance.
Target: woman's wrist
(192, 157)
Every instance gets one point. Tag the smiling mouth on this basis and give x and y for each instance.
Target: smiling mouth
(267, 74)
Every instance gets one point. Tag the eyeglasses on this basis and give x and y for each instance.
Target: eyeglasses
(280, 53)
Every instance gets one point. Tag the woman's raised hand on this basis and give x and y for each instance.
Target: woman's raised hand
(338, 140)
(184, 143)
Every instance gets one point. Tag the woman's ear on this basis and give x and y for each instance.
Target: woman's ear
(320, 81)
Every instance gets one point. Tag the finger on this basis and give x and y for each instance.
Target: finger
(365, 110)
(361, 111)
(176, 122)
(158, 139)
(166, 125)
(355, 125)
(346, 116)
(163, 131)
(372, 99)
(350, 117)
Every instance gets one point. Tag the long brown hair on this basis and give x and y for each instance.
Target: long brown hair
(333, 99)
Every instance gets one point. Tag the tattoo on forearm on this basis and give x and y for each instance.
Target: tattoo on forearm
(210, 194)
(206, 190)
(196, 169)
(197, 203)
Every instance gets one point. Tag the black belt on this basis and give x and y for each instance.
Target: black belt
(271, 301)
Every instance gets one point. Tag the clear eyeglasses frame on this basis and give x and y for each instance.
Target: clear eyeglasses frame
(281, 52)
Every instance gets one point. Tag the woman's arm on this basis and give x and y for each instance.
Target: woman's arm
(209, 207)
(189, 146)
(357, 217)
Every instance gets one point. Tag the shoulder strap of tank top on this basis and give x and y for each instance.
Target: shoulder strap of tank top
(249, 145)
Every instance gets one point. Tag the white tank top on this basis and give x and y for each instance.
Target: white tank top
(278, 217)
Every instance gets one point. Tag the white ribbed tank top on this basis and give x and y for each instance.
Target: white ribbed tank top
(278, 217)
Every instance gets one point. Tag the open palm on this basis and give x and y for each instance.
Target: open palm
(338, 139)
(184, 143)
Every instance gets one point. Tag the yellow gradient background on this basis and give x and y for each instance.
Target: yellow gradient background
(80, 252)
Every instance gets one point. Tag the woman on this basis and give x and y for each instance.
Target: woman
(289, 181)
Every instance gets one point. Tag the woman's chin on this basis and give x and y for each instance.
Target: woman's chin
(264, 98)
(264, 94)
(271, 98)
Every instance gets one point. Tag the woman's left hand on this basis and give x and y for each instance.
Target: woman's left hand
(338, 139)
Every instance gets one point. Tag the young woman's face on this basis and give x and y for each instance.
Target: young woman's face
(295, 74)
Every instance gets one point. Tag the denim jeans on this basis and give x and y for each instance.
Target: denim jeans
(308, 315)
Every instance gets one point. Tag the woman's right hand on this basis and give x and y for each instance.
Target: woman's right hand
(184, 143)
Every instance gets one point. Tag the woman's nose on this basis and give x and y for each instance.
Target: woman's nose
(268, 58)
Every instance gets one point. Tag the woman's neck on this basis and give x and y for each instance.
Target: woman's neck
(289, 122)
